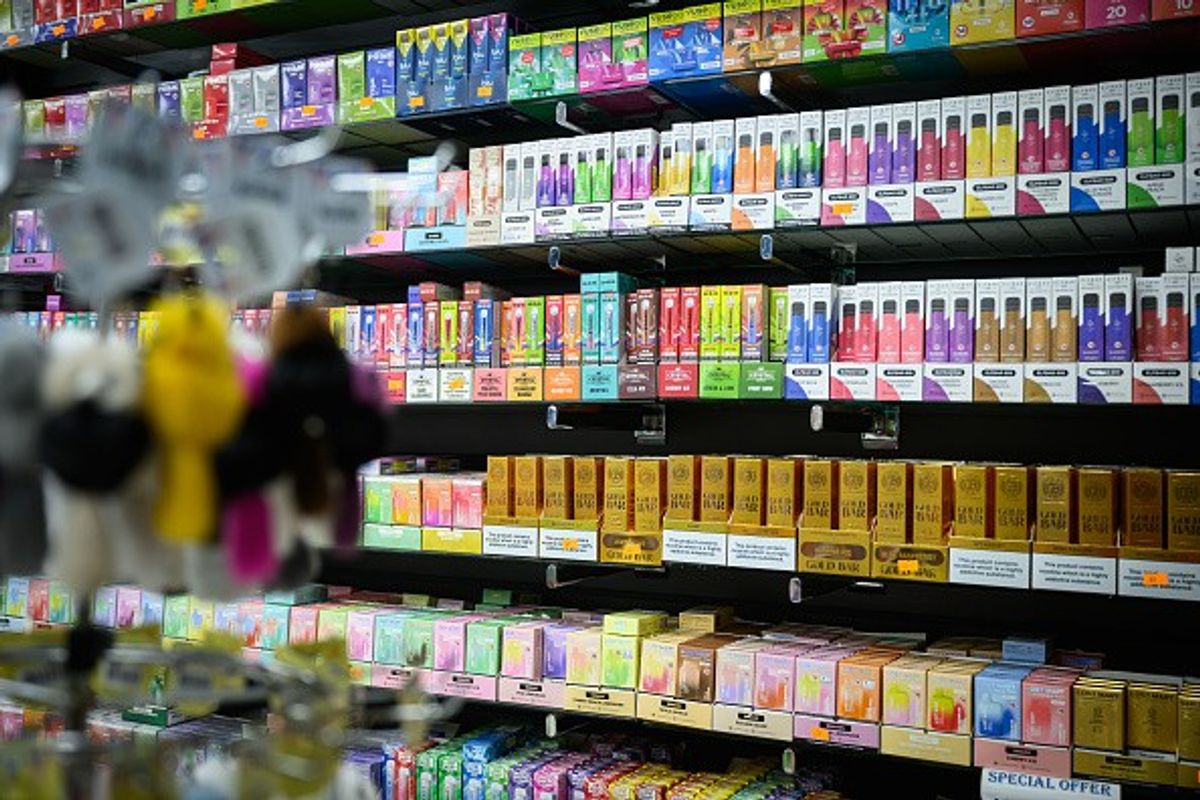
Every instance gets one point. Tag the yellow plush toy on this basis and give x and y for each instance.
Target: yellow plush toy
(194, 402)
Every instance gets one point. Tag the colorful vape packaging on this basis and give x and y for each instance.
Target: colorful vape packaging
(938, 310)
(820, 322)
(1010, 311)
(1117, 301)
(669, 325)
(1113, 133)
(744, 159)
(710, 323)
(961, 305)
(1057, 126)
(731, 323)
(596, 68)
(702, 158)
(1085, 139)
(856, 495)
(1064, 321)
(766, 142)
(1174, 330)
(630, 49)
(797, 322)
(866, 310)
(1004, 134)
(1139, 95)
(904, 142)
(1192, 84)
(858, 123)
(1148, 295)
(979, 137)
(972, 23)
(917, 25)
(987, 321)
(743, 33)
(929, 141)
(824, 27)
(787, 151)
(889, 314)
(754, 322)
(808, 156)
(679, 176)
(1031, 134)
(1091, 318)
(1039, 305)
(1194, 312)
(954, 138)
(1096, 508)
(1171, 120)
(723, 149)
(1036, 18)
(847, 322)
(686, 42)
(912, 323)
(879, 145)
(834, 149)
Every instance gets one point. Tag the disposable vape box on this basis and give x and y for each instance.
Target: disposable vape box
(650, 484)
(730, 323)
(749, 485)
(808, 157)
(917, 26)
(630, 50)
(1091, 318)
(1139, 95)
(778, 323)
(735, 671)
(988, 315)
(938, 310)
(716, 488)
(821, 492)
(1057, 492)
(1117, 303)
(904, 142)
(961, 304)
(743, 33)
(890, 321)
(559, 63)
(1112, 125)
(912, 326)
(1004, 134)
(858, 121)
(744, 158)
(1180, 259)
(954, 140)
(932, 502)
(685, 42)
(1032, 134)
(1038, 302)
(974, 500)
(1064, 322)
(524, 66)
(1173, 309)
(824, 27)
(753, 327)
(1148, 297)
(834, 150)
(846, 319)
(998, 701)
(766, 142)
(521, 654)
(1183, 510)
(797, 322)
(1097, 506)
(820, 323)
(856, 495)
(612, 312)
(723, 149)
(866, 312)
(894, 506)
(619, 660)
(971, 23)
(929, 140)
(1041, 18)
(879, 145)
(527, 486)
(979, 137)
(1194, 313)
(1085, 131)
(596, 68)
(1170, 130)
(1010, 311)
(1192, 83)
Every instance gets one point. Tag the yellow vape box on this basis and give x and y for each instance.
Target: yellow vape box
(527, 486)
(893, 514)
(710, 323)
(783, 491)
(618, 494)
(933, 502)
(1183, 510)
(716, 488)
(856, 495)
(1096, 507)
(1055, 504)
(683, 487)
(820, 494)
(650, 490)
(500, 486)
(1189, 723)
(589, 487)
(749, 485)
(974, 500)
(1152, 717)
(731, 323)
(1142, 508)
(1013, 511)
(1099, 714)
(558, 487)
(706, 619)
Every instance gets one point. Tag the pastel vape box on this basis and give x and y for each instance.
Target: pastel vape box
(979, 138)
(1046, 707)
(912, 323)
(960, 303)
(904, 682)
(697, 666)
(1064, 323)
(775, 677)
(858, 121)
(998, 701)
(949, 693)
(890, 322)
(954, 139)
(554, 650)
(522, 651)
(630, 50)
(917, 26)
(735, 671)
(904, 142)
(1039, 18)
(859, 685)
(744, 156)
(1004, 134)
(972, 22)
(484, 644)
(879, 146)
(1091, 318)
(619, 659)
(659, 662)
(987, 321)
(1170, 119)
(834, 149)
(583, 656)
(847, 322)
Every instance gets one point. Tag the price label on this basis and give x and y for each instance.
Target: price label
(908, 566)
(308, 111)
(366, 102)
(260, 122)
(819, 734)
(12, 40)
(150, 13)
(58, 30)
(1155, 579)
(485, 91)
(376, 239)
(570, 544)
(98, 23)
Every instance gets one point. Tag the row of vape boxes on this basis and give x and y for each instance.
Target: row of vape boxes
(899, 502)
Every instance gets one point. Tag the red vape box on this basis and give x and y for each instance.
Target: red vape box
(554, 330)
(1039, 17)
(668, 325)
(383, 330)
(465, 350)
(645, 326)
(689, 323)
(572, 330)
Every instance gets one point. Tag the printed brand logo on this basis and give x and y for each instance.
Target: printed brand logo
(1047, 183)
(815, 478)
(1098, 181)
(1095, 490)
(998, 373)
(989, 187)
(932, 190)
(891, 193)
(928, 482)
(892, 479)
(839, 197)
(970, 482)
(853, 479)
(668, 203)
(806, 195)
(1011, 485)
(1052, 487)
(1159, 175)
(752, 201)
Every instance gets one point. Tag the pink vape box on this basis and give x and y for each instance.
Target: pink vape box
(437, 501)
(39, 600)
(468, 501)
(302, 624)
(550, 780)
(775, 676)
(250, 623)
(360, 635)
(736, 671)
(521, 654)
(1046, 707)
(1111, 13)
(450, 642)
(129, 607)
(816, 680)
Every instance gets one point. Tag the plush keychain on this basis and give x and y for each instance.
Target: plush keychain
(22, 519)
(193, 402)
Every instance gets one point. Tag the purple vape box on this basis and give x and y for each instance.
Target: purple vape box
(381, 72)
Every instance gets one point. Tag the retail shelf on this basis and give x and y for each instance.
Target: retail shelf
(1018, 433)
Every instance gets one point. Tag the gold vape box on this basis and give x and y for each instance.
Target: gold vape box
(974, 500)
(1183, 510)
(558, 487)
(706, 619)
(1142, 507)
(1013, 511)
(1152, 717)
(618, 494)
(589, 487)
(1096, 506)
(527, 486)
(856, 495)
(933, 502)
(1099, 714)
(749, 491)
(650, 494)
(500, 486)
(683, 487)
(1189, 723)
(820, 494)
(893, 514)
(783, 491)
(716, 488)
(1055, 504)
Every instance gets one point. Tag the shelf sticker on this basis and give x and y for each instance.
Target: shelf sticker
(1154, 579)
(510, 540)
(568, 545)
(1167, 580)
(908, 566)
(999, 784)
(1070, 573)
(989, 568)
(819, 734)
(695, 547)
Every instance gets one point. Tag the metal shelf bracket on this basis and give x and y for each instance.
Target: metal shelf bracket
(877, 425)
(647, 422)
(766, 85)
(560, 119)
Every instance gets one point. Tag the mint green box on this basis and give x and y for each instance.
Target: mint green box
(391, 537)
(176, 610)
(499, 597)
(719, 380)
(483, 646)
(418, 640)
(761, 381)
(427, 772)
(599, 382)
(389, 638)
(450, 775)
(191, 99)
